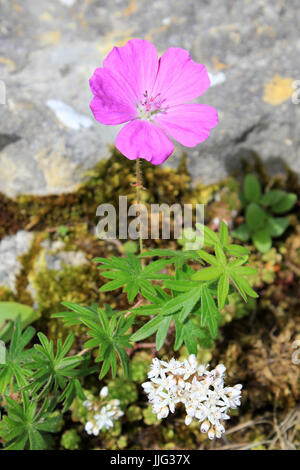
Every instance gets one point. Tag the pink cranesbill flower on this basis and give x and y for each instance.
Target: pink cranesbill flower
(153, 96)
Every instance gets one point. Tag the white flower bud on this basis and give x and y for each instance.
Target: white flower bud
(163, 413)
(190, 411)
(205, 426)
(104, 392)
(188, 420)
(220, 369)
(88, 427)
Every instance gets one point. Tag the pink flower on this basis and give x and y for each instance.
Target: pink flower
(153, 96)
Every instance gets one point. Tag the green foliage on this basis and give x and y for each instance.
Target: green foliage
(33, 383)
(14, 370)
(63, 231)
(27, 427)
(261, 210)
(9, 312)
(109, 336)
(128, 273)
(192, 304)
(187, 297)
(53, 372)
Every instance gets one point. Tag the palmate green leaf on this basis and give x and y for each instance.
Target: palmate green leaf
(25, 427)
(162, 332)
(180, 285)
(210, 237)
(128, 273)
(207, 274)
(223, 289)
(209, 312)
(53, 371)
(14, 371)
(224, 235)
(148, 329)
(221, 257)
(191, 335)
(237, 250)
(181, 302)
(210, 259)
(243, 286)
(108, 333)
(194, 297)
(77, 314)
(157, 304)
(177, 258)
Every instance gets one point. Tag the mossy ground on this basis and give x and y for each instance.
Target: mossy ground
(256, 342)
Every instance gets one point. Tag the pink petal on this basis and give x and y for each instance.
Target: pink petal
(114, 102)
(143, 139)
(137, 63)
(179, 78)
(189, 124)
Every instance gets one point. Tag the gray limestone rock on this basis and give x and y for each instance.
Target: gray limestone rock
(49, 50)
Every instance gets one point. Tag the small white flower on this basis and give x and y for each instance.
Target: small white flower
(220, 369)
(201, 391)
(89, 427)
(163, 412)
(87, 404)
(104, 392)
(188, 420)
(205, 426)
(155, 368)
(102, 416)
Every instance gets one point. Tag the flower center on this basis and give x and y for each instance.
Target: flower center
(150, 105)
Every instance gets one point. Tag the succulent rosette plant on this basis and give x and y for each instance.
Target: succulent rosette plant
(154, 97)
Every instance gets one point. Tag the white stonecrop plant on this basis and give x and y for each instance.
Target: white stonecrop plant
(101, 415)
(203, 393)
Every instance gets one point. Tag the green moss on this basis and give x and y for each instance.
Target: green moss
(123, 390)
(75, 284)
(70, 440)
(149, 417)
(139, 366)
(12, 218)
(6, 295)
(134, 413)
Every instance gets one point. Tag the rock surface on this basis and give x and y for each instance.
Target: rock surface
(48, 51)
(54, 257)
(11, 248)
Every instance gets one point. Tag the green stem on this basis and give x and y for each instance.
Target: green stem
(138, 200)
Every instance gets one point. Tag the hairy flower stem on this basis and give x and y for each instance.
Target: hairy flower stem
(138, 200)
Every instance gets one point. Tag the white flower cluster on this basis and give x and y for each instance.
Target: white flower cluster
(101, 415)
(203, 393)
